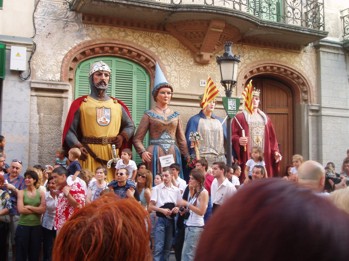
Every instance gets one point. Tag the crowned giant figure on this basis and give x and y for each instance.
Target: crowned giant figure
(165, 128)
(97, 121)
(205, 132)
(256, 129)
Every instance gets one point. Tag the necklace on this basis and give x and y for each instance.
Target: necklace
(162, 110)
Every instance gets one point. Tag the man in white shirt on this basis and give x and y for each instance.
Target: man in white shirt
(221, 188)
(164, 200)
(177, 181)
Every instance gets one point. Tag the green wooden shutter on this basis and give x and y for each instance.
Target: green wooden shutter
(267, 10)
(2, 60)
(1, 1)
(129, 83)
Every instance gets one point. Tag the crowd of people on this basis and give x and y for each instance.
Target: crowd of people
(89, 204)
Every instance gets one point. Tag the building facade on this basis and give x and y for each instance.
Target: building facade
(295, 51)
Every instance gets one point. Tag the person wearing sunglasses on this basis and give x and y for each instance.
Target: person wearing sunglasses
(14, 182)
(122, 186)
(144, 186)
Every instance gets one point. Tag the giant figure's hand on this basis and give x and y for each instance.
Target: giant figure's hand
(84, 153)
(277, 156)
(243, 141)
(118, 142)
(146, 156)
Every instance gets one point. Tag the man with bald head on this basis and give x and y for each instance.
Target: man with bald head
(311, 174)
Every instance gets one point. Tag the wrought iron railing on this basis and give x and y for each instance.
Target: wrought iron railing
(345, 20)
(304, 13)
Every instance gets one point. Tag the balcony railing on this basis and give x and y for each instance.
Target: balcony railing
(345, 20)
(304, 13)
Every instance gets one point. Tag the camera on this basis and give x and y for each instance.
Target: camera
(184, 212)
(335, 178)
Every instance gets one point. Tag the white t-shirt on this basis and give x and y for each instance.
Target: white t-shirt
(181, 184)
(251, 163)
(163, 194)
(235, 180)
(220, 194)
(131, 166)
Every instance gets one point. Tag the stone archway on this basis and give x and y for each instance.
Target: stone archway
(291, 89)
(106, 47)
(298, 82)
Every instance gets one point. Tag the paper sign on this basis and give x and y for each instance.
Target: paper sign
(166, 161)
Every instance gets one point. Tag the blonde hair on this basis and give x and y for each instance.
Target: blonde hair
(75, 152)
(340, 198)
(296, 157)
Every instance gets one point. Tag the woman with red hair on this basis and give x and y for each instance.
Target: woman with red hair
(107, 229)
(273, 219)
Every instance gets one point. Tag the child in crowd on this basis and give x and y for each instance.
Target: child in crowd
(157, 179)
(256, 159)
(61, 159)
(74, 166)
(297, 160)
(126, 162)
(234, 174)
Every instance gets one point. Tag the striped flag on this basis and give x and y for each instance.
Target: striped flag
(211, 92)
(247, 95)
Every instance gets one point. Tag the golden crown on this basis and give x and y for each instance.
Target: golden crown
(256, 92)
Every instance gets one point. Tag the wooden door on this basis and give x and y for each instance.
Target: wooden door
(277, 102)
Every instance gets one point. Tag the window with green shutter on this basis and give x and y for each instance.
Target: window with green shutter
(129, 82)
(270, 10)
(1, 1)
(2, 60)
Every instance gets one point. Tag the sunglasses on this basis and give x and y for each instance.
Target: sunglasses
(141, 176)
(16, 160)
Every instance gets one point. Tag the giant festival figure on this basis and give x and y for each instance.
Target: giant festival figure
(164, 126)
(209, 127)
(97, 121)
(255, 129)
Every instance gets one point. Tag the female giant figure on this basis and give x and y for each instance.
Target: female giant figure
(165, 128)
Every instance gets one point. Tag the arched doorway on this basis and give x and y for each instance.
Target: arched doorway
(278, 102)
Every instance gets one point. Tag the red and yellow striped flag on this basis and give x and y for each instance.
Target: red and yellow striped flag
(247, 95)
(211, 92)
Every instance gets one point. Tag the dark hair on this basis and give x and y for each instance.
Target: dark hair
(198, 175)
(165, 169)
(141, 164)
(40, 167)
(221, 165)
(48, 181)
(60, 171)
(262, 168)
(235, 167)
(274, 230)
(33, 175)
(156, 93)
(102, 168)
(128, 151)
(203, 162)
(175, 166)
(105, 229)
(2, 138)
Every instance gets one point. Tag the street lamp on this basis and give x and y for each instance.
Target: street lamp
(228, 66)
